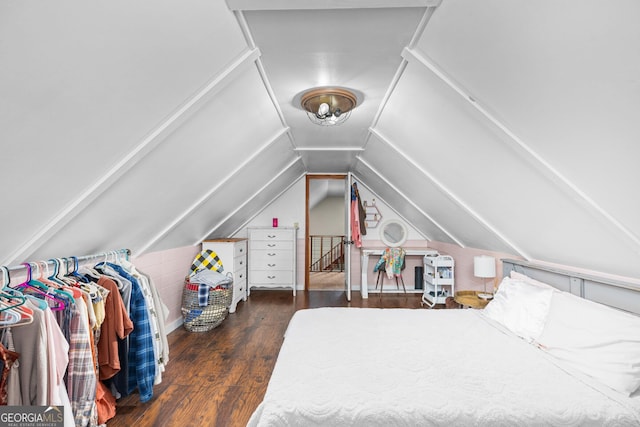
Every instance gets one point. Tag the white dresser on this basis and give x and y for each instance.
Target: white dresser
(272, 258)
(233, 254)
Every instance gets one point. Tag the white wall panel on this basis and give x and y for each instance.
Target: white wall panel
(482, 168)
(169, 179)
(428, 194)
(289, 208)
(399, 205)
(328, 161)
(81, 84)
(563, 77)
(246, 184)
(256, 205)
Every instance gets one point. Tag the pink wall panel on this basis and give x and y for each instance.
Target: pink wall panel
(168, 270)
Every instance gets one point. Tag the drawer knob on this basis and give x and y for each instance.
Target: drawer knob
(271, 254)
(271, 265)
(271, 245)
(271, 277)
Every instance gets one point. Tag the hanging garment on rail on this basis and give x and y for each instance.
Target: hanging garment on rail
(141, 356)
(158, 312)
(355, 227)
(42, 364)
(58, 331)
(8, 358)
(116, 326)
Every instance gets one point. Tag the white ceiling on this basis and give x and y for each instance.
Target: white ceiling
(499, 125)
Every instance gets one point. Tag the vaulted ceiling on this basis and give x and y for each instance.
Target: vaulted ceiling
(502, 125)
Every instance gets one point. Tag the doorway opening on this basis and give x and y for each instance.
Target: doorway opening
(325, 232)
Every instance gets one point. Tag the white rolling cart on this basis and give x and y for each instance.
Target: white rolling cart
(438, 279)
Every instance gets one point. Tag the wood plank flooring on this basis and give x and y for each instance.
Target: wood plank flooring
(218, 378)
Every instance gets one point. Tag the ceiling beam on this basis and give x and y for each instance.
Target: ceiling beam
(329, 149)
(326, 4)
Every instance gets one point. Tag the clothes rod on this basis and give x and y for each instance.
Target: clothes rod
(50, 263)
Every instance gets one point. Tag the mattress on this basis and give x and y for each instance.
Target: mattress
(403, 367)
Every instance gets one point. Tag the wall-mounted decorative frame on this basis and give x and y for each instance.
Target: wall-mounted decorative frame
(373, 216)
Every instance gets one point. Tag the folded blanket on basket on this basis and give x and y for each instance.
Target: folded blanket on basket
(208, 279)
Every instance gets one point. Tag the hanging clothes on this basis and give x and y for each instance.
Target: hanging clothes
(158, 313)
(357, 217)
(31, 342)
(62, 354)
(141, 356)
(8, 358)
(116, 326)
(81, 375)
(58, 353)
(119, 382)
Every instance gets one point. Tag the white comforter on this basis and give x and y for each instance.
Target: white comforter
(401, 367)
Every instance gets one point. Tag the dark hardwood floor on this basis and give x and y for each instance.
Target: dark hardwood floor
(218, 378)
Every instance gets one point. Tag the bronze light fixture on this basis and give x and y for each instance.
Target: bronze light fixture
(328, 106)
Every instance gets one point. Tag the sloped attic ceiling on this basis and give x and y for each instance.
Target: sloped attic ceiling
(499, 125)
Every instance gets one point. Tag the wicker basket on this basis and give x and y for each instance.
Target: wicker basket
(204, 318)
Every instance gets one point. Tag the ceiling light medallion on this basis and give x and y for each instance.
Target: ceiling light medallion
(328, 106)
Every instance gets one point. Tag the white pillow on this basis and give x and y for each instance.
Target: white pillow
(597, 340)
(520, 307)
(529, 280)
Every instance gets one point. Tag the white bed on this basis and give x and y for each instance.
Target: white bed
(403, 367)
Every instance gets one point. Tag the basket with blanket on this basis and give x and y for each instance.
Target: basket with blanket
(207, 294)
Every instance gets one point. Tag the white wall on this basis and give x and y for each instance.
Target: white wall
(328, 217)
(387, 212)
(288, 208)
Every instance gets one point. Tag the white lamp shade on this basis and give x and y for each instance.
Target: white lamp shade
(484, 266)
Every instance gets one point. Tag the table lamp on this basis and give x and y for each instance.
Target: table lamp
(484, 267)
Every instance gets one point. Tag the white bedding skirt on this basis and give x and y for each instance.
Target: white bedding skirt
(403, 367)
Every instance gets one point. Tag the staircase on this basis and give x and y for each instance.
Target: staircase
(327, 253)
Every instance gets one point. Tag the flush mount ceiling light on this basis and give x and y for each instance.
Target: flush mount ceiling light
(328, 106)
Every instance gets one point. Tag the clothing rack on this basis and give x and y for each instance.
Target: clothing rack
(77, 261)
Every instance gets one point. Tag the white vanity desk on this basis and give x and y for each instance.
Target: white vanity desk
(364, 264)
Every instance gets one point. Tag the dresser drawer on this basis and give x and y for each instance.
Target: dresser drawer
(240, 274)
(262, 277)
(240, 263)
(240, 249)
(271, 244)
(240, 285)
(261, 260)
(270, 234)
